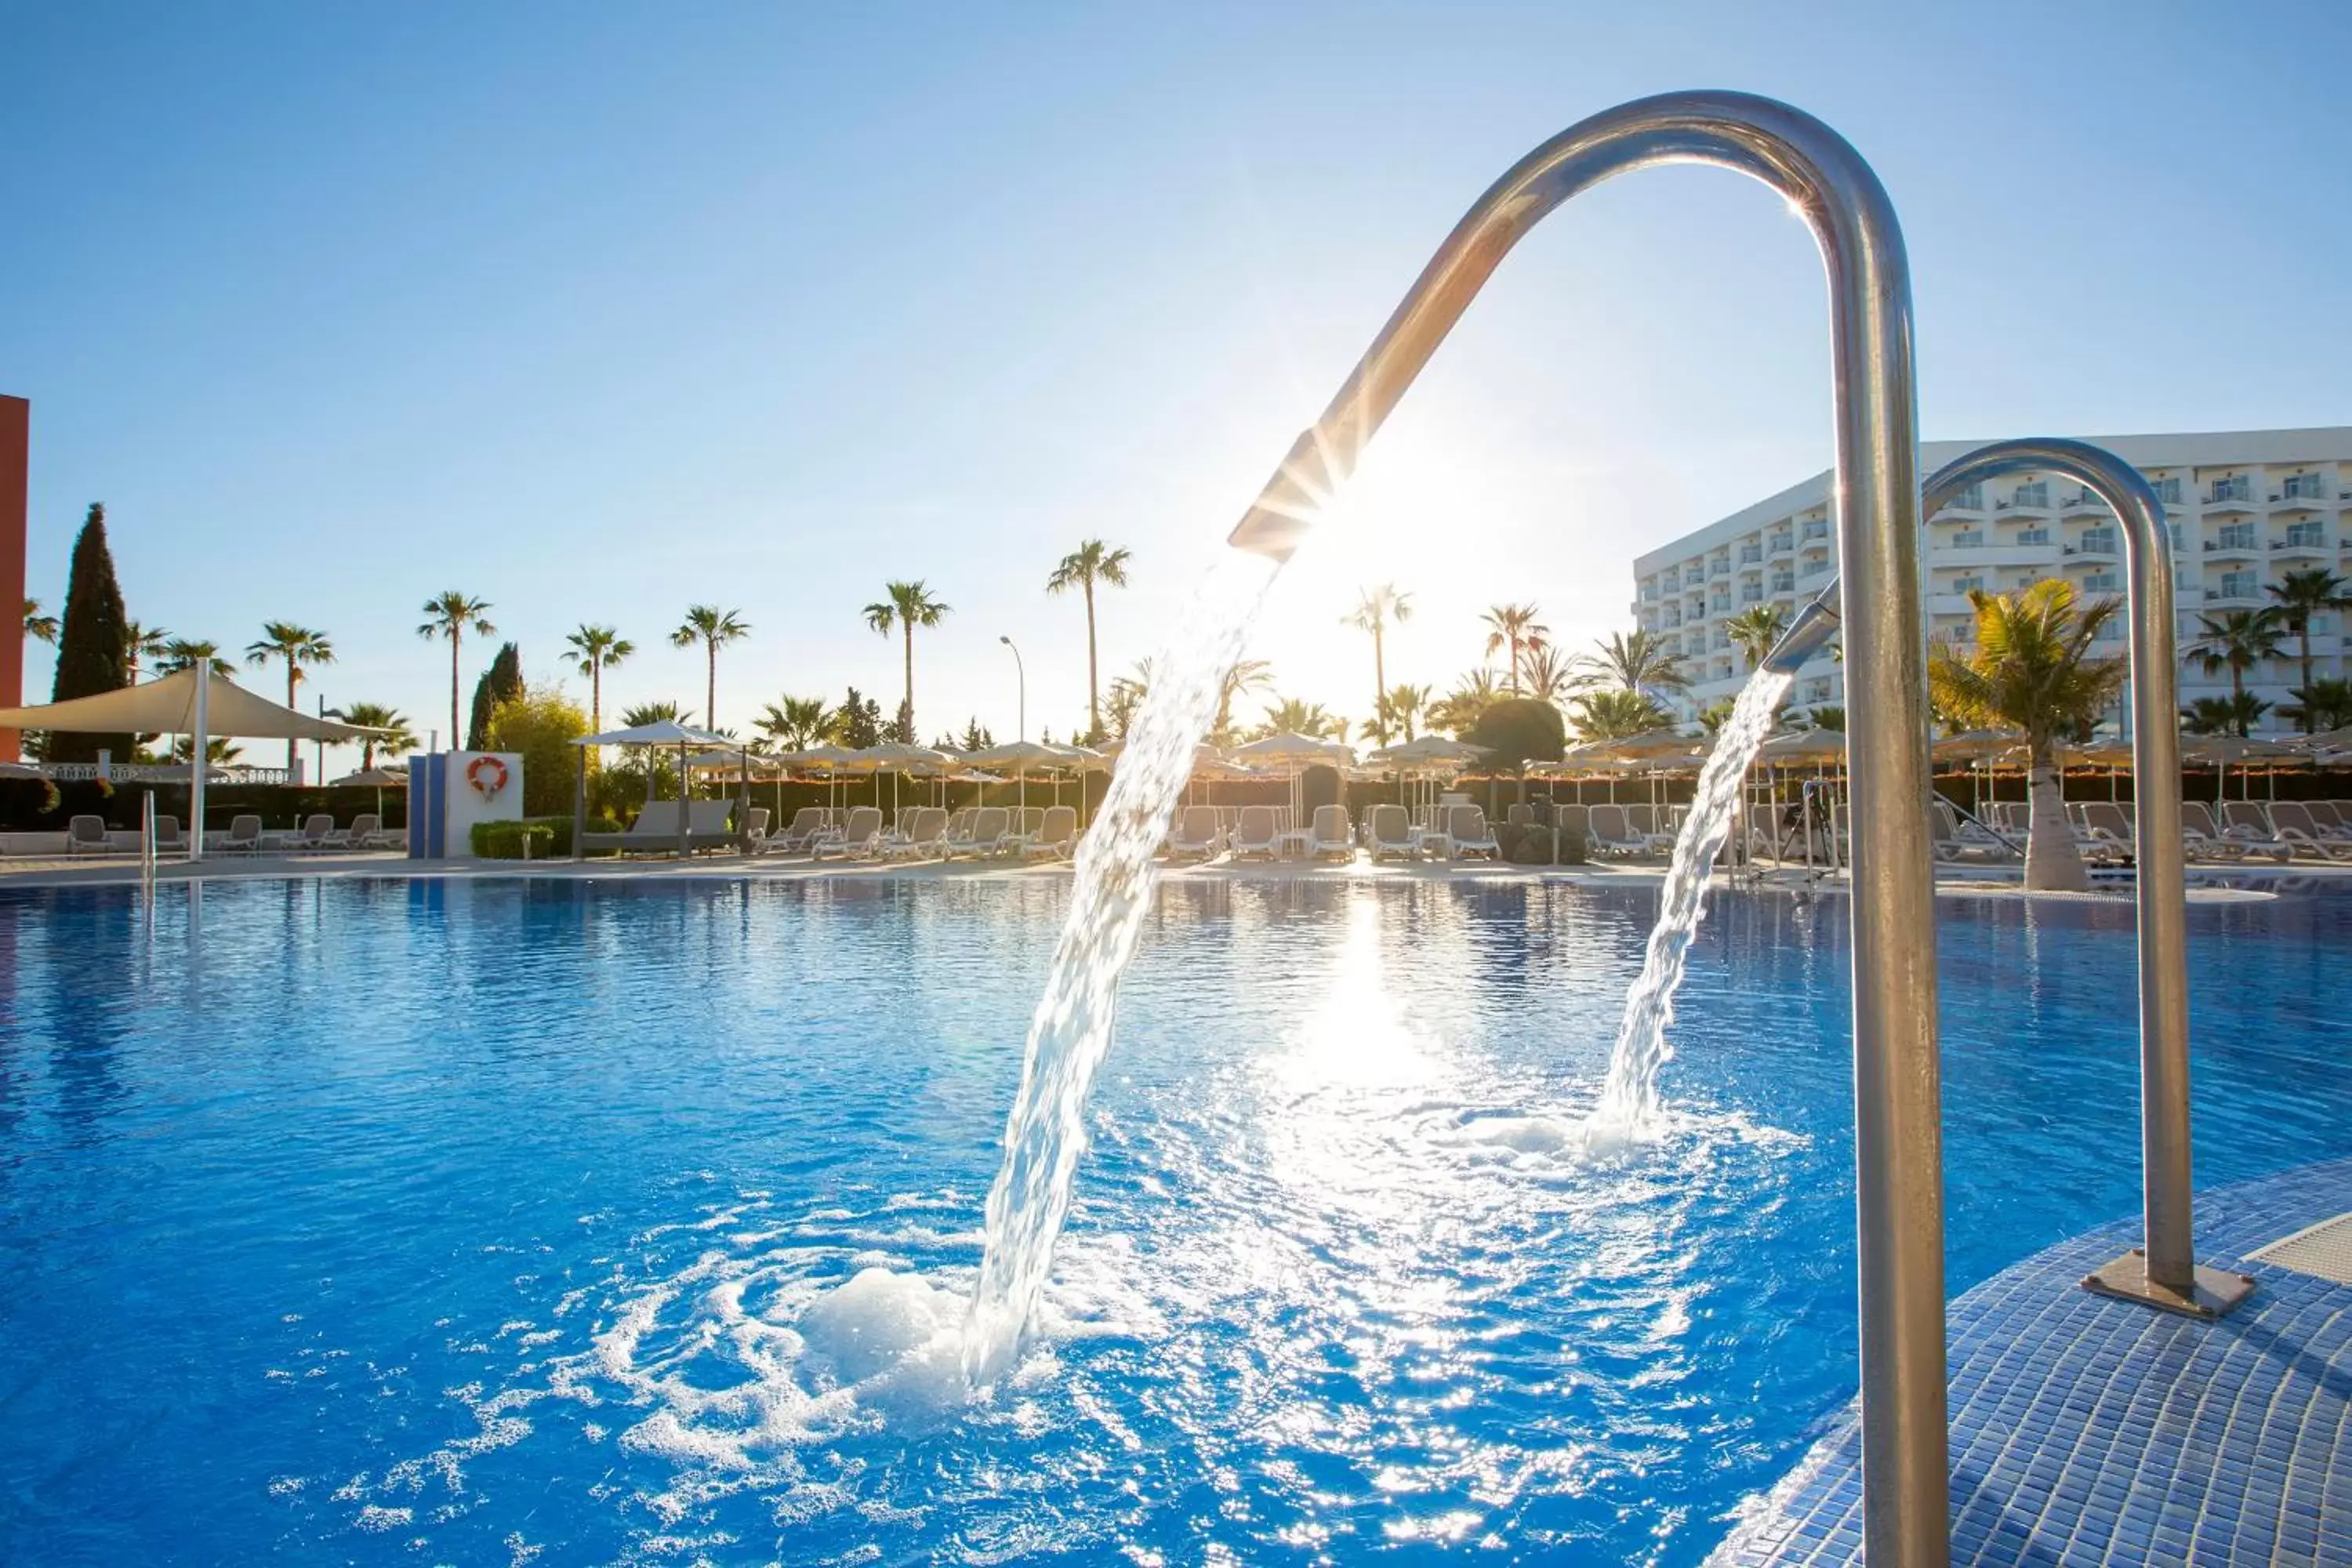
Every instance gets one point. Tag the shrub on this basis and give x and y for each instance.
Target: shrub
(1517, 731)
(541, 724)
(508, 840)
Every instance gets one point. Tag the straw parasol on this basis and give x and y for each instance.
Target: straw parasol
(381, 778)
(1289, 749)
(1021, 758)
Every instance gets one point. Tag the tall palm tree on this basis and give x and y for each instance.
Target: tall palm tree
(2236, 640)
(181, 653)
(38, 627)
(2301, 594)
(794, 723)
(452, 615)
(1401, 707)
(298, 646)
(1756, 631)
(595, 649)
(1245, 676)
(1613, 713)
(906, 605)
(1459, 709)
(2032, 669)
(1514, 628)
(1375, 609)
(377, 716)
(713, 628)
(1633, 661)
(1082, 568)
(144, 643)
(2223, 715)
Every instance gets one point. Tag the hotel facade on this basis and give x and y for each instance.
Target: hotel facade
(2244, 508)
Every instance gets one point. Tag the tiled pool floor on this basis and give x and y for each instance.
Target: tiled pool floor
(2086, 1430)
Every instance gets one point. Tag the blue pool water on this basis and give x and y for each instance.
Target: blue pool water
(490, 1222)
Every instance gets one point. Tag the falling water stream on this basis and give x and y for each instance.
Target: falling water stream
(1110, 891)
(1628, 1108)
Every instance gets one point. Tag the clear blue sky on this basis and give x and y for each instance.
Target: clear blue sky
(598, 310)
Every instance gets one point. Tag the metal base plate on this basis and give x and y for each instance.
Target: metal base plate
(2215, 1292)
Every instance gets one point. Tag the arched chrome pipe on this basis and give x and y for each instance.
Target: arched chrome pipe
(1898, 1151)
(1810, 633)
(2165, 1272)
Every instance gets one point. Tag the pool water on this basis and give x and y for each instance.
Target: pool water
(502, 1221)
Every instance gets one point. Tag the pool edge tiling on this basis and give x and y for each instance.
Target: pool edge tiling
(2088, 1430)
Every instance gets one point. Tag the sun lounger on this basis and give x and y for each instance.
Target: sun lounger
(364, 830)
(654, 832)
(168, 837)
(1057, 835)
(860, 837)
(1467, 834)
(317, 832)
(1330, 834)
(1950, 845)
(1611, 834)
(2295, 827)
(983, 835)
(1197, 835)
(1256, 834)
(921, 837)
(88, 835)
(2108, 828)
(2242, 822)
(244, 834)
(1388, 835)
(2202, 839)
(1573, 823)
(806, 823)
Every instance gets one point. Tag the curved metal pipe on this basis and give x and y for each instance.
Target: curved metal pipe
(1810, 633)
(1898, 1151)
(2165, 1273)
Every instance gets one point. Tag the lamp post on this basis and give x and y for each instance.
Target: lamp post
(1021, 673)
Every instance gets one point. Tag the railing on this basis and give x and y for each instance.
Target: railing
(1783, 543)
(1974, 541)
(2031, 536)
(2224, 491)
(1750, 554)
(157, 772)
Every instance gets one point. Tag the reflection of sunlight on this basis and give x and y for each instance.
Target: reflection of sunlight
(1356, 1038)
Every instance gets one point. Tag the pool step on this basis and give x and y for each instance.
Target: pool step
(2323, 1251)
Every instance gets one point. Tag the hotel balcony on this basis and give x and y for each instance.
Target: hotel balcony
(2304, 540)
(1783, 543)
(2230, 496)
(2300, 498)
(2082, 503)
(2242, 540)
(2024, 504)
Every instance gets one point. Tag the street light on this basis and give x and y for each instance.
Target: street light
(1022, 672)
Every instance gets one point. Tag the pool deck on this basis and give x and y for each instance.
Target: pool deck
(28, 871)
(2087, 1430)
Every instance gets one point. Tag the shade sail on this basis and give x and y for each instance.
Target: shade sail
(168, 707)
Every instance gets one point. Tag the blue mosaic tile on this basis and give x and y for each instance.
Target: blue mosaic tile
(2090, 1431)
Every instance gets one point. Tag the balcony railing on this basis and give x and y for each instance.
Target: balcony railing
(2036, 496)
(1783, 543)
(2031, 536)
(1970, 540)
(2240, 489)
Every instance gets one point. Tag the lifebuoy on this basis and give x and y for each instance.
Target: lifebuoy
(493, 767)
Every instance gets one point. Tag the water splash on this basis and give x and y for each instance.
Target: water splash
(1629, 1100)
(1110, 892)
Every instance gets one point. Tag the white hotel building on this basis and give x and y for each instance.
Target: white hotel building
(2245, 508)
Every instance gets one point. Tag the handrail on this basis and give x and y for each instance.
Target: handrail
(2166, 1273)
(1898, 1150)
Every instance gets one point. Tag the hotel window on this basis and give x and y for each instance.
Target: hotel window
(2102, 582)
(2240, 585)
(2306, 486)
(2236, 536)
(2099, 541)
(1968, 584)
(2307, 536)
(2032, 536)
(2168, 489)
(2237, 487)
(2037, 493)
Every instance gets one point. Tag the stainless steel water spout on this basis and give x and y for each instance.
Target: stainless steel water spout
(2165, 1272)
(1898, 1151)
(1810, 633)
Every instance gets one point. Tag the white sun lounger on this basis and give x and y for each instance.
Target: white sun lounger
(1056, 833)
(2301, 833)
(2242, 822)
(983, 835)
(1612, 833)
(1467, 833)
(1257, 833)
(1328, 833)
(1388, 835)
(88, 835)
(860, 837)
(1196, 835)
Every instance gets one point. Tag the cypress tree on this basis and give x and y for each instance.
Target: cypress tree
(503, 682)
(93, 641)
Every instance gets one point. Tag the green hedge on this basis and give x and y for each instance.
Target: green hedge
(549, 838)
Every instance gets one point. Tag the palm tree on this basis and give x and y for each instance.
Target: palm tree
(1612, 714)
(1311, 720)
(1401, 707)
(38, 627)
(651, 756)
(794, 723)
(143, 644)
(1514, 628)
(1471, 695)
(377, 716)
(181, 653)
(217, 749)
(906, 605)
(1826, 716)
(298, 646)
(1756, 631)
(2236, 640)
(2325, 704)
(452, 615)
(1375, 608)
(1550, 676)
(1082, 568)
(2223, 715)
(596, 649)
(1633, 661)
(2033, 670)
(2301, 594)
(713, 628)
(1247, 674)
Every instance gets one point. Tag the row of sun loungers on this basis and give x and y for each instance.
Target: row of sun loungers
(1203, 833)
(922, 833)
(88, 836)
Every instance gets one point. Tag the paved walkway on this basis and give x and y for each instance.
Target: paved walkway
(2086, 1430)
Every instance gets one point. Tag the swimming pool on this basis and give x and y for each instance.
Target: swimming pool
(469, 1222)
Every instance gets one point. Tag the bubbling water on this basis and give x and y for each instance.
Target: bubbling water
(1110, 892)
(1628, 1110)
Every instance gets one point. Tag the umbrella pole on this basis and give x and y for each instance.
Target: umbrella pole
(199, 745)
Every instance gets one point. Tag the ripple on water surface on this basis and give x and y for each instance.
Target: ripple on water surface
(447, 1225)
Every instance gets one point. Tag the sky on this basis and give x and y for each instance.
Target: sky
(598, 310)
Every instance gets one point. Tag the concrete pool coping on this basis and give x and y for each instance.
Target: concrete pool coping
(2088, 1430)
(2244, 883)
